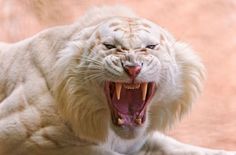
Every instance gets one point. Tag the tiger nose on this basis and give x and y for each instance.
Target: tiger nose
(132, 71)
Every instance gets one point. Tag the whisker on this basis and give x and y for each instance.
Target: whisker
(92, 77)
(89, 67)
(92, 62)
(89, 59)
(89, 73)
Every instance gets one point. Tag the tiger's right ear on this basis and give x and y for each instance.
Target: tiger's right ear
(84, 34)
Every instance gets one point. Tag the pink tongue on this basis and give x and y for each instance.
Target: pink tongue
(130, 101)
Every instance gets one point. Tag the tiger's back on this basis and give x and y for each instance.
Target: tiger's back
(29, 120)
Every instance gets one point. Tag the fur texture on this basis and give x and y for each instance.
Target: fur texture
(51, 87)
(181, 84)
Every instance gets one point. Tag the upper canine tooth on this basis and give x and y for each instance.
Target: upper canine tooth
(138, 121)
(144, 90)
(120, 121)
(137, 86)
(118, 90)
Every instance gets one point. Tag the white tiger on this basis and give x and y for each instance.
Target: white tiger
(106, 85)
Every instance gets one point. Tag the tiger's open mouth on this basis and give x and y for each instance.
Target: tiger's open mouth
(128, 102)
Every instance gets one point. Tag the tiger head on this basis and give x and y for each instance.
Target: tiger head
(127, 74)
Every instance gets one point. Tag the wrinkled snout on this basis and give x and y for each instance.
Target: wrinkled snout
(132, 71)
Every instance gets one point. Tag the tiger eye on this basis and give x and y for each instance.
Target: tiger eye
(109, 46)
(151, 46)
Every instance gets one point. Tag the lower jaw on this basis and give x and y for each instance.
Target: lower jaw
(135, 120)
(129, 131)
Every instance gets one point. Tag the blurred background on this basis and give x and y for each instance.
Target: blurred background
(209, 26)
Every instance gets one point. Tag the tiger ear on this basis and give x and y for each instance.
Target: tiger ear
(84, 34)
(166, 38)
(192, 75)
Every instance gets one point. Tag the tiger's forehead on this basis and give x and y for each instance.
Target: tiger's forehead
(126, 24)
(130, 32)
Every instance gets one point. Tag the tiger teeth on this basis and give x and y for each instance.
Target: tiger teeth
(132, 86)
(118, 90)
(120, 121)
(144, 90)
(138, 121)
(118, 87)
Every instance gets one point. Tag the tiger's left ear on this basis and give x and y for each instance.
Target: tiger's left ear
(168, 41)
(166, 36)
(84, 34)
(191, 78)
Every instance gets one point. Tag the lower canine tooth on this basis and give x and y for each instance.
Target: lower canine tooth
(120, 121)
(118, 90)
(138, 121)
(144, 90)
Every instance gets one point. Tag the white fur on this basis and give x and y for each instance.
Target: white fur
(51, 89)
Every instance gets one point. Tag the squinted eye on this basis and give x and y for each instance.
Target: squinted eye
(109, 46)
(151, 46)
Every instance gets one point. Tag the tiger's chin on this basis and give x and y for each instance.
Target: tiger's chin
(128, 103)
